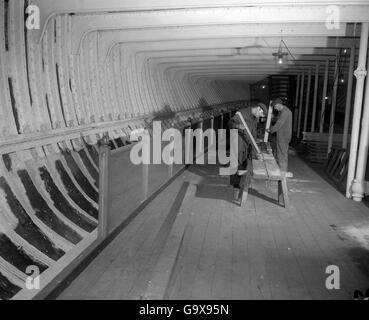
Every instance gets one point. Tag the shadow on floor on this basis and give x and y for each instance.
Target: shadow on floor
(214, 186)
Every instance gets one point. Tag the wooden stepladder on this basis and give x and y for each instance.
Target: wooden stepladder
(265, 167)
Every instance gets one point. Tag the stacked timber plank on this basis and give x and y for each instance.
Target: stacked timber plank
(337, 166)
(317, 145)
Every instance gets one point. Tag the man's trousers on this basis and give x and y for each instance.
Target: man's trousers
(282, 153)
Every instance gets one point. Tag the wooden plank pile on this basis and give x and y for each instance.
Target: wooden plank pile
(337, 166)
(317, 145)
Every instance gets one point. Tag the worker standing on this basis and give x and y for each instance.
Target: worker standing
(283, 129)
(251, 116)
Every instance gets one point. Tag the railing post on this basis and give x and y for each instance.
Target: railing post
(170, 166)
(188, 144)
(200, 144)
(212, 128)
(104, 160)
(221, 125)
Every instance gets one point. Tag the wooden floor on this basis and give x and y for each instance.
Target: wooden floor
(218, 250)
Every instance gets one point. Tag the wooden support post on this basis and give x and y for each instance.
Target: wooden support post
(296, 104)
(307, 101)
(316, 84)
(324, 100)
(348, 97)
(104, 159)
(333, 108)
(300, 108)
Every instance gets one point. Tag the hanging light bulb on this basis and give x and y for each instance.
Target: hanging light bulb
(281, 58)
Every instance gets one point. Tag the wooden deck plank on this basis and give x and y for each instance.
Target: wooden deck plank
(260, 288)
(191, 250)
(207, 260)
(163, 271)
(274, 266)
(221, 285)
(241, 273)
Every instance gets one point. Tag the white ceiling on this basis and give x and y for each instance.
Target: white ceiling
(212, 39)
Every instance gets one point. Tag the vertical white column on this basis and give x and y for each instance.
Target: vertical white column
(358, 187)
(348, 97)
(360, 74)
(307, 101)
(300, 108)
(322, 112)
(334, 104)
(316, 84)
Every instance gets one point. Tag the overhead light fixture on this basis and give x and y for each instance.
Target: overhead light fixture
(281, 57)
(263, 86)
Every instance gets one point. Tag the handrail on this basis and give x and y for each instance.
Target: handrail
(39, 139)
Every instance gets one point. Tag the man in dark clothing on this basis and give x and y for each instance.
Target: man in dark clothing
(283, 129)
(251, 116)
